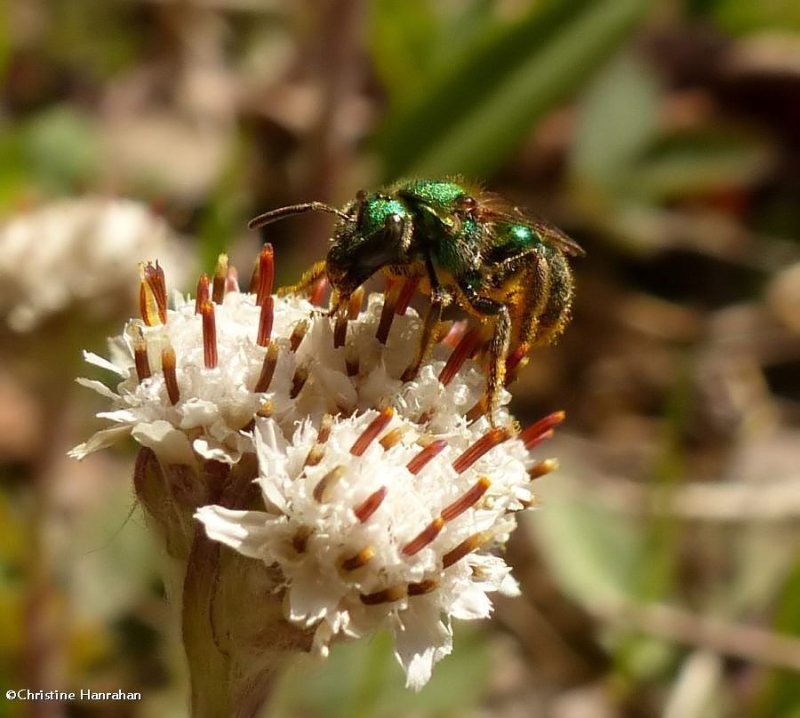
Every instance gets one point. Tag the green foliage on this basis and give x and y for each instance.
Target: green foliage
(471, 116)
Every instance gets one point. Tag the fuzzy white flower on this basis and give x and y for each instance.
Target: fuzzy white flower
(389, 534)
(77, 250)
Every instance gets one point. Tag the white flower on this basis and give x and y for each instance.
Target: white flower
(215, 406)
(393, 534)
(77, 250)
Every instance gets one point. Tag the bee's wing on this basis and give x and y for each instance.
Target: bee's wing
(549, 234)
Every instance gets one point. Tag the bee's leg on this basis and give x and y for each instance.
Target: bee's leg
(432, 319)
(498, 349)
(440, 298)
(555, 312)
(307, 281)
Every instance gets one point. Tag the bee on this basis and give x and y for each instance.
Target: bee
(466, 247)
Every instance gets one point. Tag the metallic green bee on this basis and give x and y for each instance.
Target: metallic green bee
(466, 246)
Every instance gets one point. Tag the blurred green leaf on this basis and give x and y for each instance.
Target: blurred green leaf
(700, 161)
(618, 120)
(743, 17)
(470, 118)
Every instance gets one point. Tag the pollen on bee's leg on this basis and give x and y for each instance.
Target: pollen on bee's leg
(418, 462)
(232, 280)
(370, 505)
(316, 452)
(266, 410)
(267, 368)
(406, 294)
(424, 537)
(542, 468)
(387, 312)
(387, 595)
(203, 294)
(488, 441)
(392, 437)
(467, 546)
(515, 361)
(322, 490)
(265, 320)
(298, 333)
(140, 359)
(354, 304)
(359, 560)
(220, 277)
(298, 381)
(375, 427)
(464, 349)
(317, 296)
(264, 274)
(541, 430)
(466, 500)
(210, 359)
(420, 588)
(168, 366)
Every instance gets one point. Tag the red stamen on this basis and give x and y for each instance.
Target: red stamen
(148, 308)
(156, 283)
(140, 358)
(467, 546)
(392, 438)
(220, 276)
(465, 348)
(542, 468)
(317, 297)
(267, 368)
(515, 361)
(488, 441)
(422, 587)
(209, 335)
(387, 595)
(323, 488)
(362, 558)
(325, 427)
(455, 333)
(426, 536)
(203, 293)
(298, 333)
(168, 366)
(535, 433)
(317, 451)
(265, 319)
(406, 294)
(467, 500)
(387, 312)
(340, 329)
(375, 427)
(370, 505)
(419, 461)
(232, 280)
(266, 273)
(298, 381)
(478, 410)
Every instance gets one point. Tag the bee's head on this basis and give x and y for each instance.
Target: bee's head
(376, 233)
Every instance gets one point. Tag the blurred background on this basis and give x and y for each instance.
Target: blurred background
(662, 575)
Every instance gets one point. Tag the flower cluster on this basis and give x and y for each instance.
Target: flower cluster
(384, 500)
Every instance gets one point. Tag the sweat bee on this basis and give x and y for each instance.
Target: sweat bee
(466, 247)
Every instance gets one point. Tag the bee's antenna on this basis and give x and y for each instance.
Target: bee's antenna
(277, 214)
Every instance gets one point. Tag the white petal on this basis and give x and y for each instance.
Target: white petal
(120, 416)
(311, 596)
(245, 531)
(170, 444)
(471, 604)
(100, 440)
(99, 387)
(422, 641)
(215, 451)
(97, 360)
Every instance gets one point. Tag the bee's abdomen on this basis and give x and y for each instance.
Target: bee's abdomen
(555, 311)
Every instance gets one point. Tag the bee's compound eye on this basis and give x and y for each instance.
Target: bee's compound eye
(466, 203)
(394, 224)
